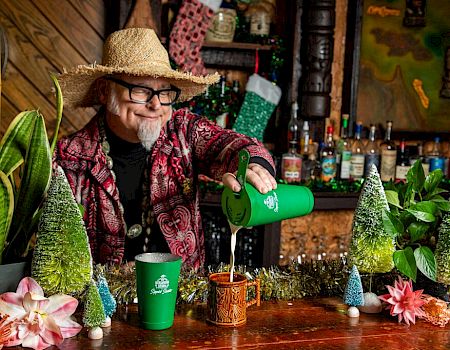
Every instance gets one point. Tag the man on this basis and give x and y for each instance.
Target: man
(134, 166)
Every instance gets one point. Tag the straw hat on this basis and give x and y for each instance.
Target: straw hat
(134, 51)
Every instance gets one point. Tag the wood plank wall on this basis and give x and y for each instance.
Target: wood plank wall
(44, 36)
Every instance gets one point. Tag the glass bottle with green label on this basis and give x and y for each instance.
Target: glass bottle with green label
(344, 151)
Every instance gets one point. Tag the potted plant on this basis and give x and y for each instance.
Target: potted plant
(417, 209)
(25, 171)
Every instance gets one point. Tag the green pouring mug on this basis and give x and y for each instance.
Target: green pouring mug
(157, 286)
(249, 207)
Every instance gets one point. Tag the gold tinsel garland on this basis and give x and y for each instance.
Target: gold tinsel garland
(313, 278)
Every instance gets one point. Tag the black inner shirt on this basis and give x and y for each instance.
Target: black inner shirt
(129, 164)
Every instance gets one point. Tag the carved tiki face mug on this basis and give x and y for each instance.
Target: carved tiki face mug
(227, 301)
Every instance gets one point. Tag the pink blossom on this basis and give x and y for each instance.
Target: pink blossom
(403, 301)
(39, 322)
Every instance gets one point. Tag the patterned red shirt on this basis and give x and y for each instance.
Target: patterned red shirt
(188, 145)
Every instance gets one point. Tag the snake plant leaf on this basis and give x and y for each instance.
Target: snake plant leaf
(14, 144)
(6, 209)
(59, 111)
(35, 180)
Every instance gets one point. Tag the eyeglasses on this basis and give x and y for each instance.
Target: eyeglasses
(144, 94)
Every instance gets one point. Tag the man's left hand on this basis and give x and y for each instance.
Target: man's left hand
(257, 175)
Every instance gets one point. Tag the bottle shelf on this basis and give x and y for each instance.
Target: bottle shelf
(235, 46)
(234, 54)
(231, 54)
(230, 45)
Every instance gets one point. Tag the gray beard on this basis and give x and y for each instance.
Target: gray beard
(148, 133)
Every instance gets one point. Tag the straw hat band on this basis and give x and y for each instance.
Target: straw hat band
(142, 65)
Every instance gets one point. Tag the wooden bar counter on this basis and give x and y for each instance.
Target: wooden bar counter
(317, 324)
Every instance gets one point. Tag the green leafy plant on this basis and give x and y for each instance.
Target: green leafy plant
(25, 171)
(416, 211)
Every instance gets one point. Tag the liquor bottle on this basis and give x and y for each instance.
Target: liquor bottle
(291, 164)
(388, 155)
(328, 157)
(223, 104)
(420, 156)
(311, 166)
(294, 124)
(372, 152)
(403, 164)
(344, 151)
(435, 158)
(358, 155)
(305, 140)
(235, 103)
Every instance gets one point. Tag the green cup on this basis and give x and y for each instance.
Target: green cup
(157, 286)
(249, 207)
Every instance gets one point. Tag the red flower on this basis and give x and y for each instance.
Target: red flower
(403, 301)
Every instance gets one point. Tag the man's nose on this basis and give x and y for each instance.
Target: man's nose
(154, 102)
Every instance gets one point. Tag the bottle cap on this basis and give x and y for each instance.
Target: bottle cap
(305, 125)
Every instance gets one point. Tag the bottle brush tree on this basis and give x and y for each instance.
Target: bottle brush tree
(108, 301)
(371, 246)
(442, 252)
(94, 313)
(353, 294)
(62, 260)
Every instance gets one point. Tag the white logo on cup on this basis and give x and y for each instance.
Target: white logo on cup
(161, 286)
(271, 202)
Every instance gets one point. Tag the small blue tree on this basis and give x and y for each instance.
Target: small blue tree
(353, 295)
(109, 303)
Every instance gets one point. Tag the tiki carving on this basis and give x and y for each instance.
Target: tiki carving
(317, 57)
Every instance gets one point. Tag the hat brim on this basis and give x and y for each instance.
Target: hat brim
(78, 88)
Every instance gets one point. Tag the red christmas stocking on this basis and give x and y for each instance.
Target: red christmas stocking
(188, 34)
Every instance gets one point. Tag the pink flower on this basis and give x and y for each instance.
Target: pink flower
(39, 322)
(403, 301)
(6, 328)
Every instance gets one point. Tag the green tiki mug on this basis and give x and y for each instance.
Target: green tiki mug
(157, 286)
(249, 207)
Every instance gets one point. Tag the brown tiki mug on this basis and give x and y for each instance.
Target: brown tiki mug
(227, 301)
